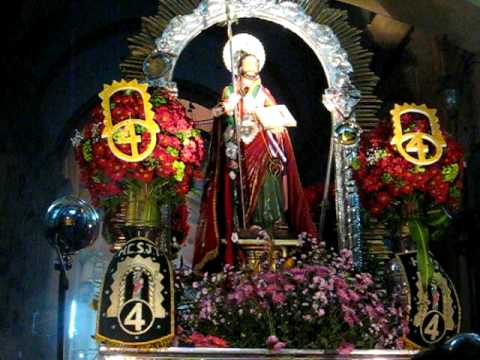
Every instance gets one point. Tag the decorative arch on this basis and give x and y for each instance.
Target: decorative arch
(155, 51)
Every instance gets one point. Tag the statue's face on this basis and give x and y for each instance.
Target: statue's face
(250, 67)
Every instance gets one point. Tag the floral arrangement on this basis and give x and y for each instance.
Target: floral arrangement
(401, 193)
(165, 175)
(322, 298)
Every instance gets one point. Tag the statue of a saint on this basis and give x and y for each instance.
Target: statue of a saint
(252, 176)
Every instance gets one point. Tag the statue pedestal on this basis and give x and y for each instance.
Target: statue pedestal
(106, 353)
(255, 250)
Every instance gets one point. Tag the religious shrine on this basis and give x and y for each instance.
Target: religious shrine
(248, 187)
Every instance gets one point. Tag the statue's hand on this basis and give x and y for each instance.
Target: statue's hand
(232, 101)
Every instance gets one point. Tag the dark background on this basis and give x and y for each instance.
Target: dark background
(58, 54)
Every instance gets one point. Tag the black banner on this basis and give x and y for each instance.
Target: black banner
(136, 304)
(435, 313)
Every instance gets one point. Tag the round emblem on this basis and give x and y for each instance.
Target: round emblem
(433, 327)
(136, 317)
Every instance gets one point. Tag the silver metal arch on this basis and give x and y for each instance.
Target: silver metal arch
(340, 98)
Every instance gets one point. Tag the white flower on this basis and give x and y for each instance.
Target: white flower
(234, 237)
(77, 138)
(95, 128)
(232, 174)
(231, 150)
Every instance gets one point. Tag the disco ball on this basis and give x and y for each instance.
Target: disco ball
(460, 347)
(464, 346)
(72, 224)
(157, 65)
(347, 134)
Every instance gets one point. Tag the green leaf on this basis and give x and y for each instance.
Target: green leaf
(437, 216)
(158, 101)
(454, 192)
(450, 172)
(356, 164)
(437, 234)
(387, 178)
(420, 233)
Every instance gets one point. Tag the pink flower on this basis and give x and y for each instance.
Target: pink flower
(345, 348)
(353, 295)
(273, 343)
(380, 309)
(278, 298)
(322, 271)
(289, 287)
(340, 283)
(272, 288)
(400, 343)
(279, 346)
(370, 311)
(343, 296)
(346, 253)
(349, 315)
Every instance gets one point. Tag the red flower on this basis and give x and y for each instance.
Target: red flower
(105, 175)
(199, 340)
(384, 198)
(385, 179)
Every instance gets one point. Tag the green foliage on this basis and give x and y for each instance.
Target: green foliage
(421, 235)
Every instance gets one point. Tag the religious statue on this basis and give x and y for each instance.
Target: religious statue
(252, 178)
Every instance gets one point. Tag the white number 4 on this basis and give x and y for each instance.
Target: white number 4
(135, 317)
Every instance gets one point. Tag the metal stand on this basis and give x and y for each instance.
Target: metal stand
(325, 201)
(62, 265)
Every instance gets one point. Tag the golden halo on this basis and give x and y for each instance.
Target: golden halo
(245, 43)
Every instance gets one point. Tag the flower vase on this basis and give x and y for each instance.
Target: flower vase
(139, 214)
